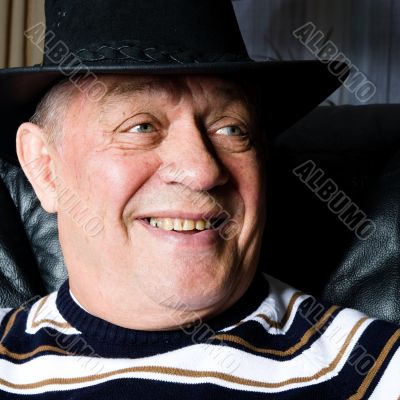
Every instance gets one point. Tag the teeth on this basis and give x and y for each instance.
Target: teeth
(153, 222)
(179, 224)
(167, 224)
(200, 225)
(188, 225)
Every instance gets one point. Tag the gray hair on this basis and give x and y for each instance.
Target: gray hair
(52, 109)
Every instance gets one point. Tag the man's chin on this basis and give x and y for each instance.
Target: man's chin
(188, 283)
(198, 300)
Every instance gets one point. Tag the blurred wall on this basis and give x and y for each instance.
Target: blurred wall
(366, 31)
(16, 16)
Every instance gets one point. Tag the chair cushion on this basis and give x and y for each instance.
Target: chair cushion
(30, 253)
(306, 244)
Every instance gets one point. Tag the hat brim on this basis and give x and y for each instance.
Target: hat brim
(288, 89)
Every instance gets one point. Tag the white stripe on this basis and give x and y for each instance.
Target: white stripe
(199, 357)
(388, 387)
(275, 306)
(48, 311)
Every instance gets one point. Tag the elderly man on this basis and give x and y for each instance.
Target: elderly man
(165, 148)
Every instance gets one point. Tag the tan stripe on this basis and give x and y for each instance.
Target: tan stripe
(35, 323)
(281, 324)
(4, 351)
(192, 374)
(377, 365)
(62, 325)
(282, 353)
(23, 356)
(40, 306)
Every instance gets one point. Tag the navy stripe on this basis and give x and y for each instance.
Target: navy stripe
(4, 322)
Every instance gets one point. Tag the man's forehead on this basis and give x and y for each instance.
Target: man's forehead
(173, 85)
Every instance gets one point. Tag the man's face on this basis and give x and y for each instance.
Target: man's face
(174, 154)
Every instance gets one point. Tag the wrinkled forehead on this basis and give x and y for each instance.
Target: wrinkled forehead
(174, 87)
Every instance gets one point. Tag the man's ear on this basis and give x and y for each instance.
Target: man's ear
(37, 161)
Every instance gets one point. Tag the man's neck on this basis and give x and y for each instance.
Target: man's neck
(139, 315)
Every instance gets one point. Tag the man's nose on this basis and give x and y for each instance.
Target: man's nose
(189, 159)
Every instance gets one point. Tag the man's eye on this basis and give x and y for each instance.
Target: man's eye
(142, 128)
(232, 130)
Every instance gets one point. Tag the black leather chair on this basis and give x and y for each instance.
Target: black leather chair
(305, 244)
(309, 246)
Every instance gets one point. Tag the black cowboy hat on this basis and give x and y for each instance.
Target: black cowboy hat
(154, 37)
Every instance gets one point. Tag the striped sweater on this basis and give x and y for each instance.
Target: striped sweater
(274, 343)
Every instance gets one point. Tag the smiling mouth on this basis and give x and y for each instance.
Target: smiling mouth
(184, 225)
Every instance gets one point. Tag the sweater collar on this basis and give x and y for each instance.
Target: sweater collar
(97, 329)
